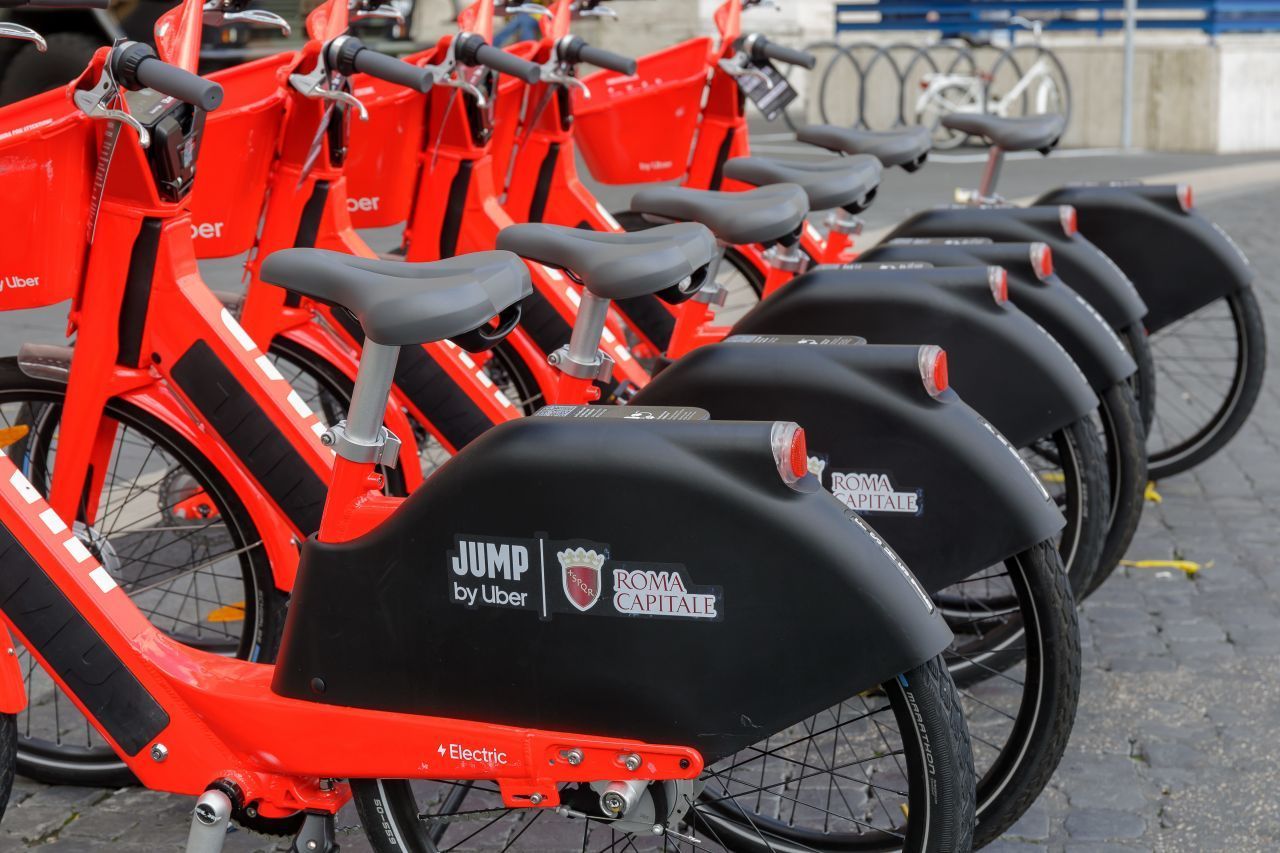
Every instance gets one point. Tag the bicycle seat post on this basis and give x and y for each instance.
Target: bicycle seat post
(990, 175)
(582, 357)
(362, 437)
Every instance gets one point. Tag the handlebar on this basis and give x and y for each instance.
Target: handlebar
(760, 48)
(574, 49)
(472, 50)
(136, 66)
(54, 4)
(349, 55)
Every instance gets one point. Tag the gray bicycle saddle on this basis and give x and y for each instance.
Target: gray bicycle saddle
(765, 215)
(1027, 133)
(400, 304)
(847, 182)
(907, 147)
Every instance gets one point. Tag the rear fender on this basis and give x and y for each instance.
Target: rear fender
(1081, 264)
(1003, 365)
(924, 471)
(1064, 313)
(1178, 260)
(600, 572)
(13, 692)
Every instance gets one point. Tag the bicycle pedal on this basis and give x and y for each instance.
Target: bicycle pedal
(317, 835)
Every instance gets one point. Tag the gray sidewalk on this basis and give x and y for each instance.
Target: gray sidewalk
(1175, 747)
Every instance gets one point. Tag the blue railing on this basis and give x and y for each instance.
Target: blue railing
(957, 17)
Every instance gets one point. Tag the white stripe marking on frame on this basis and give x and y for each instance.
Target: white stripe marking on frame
(299, 405)
(268, 367)
(76, 549)
(53, 521)
(103, 579)
(24, 487)
(237, 331)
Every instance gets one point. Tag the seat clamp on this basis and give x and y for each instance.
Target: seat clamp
(712, 293)
(599, 370)
(786, 258)
(385, 451)
(844, 222)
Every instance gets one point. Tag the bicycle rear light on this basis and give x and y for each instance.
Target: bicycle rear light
(1070, 222)
(1042, 260)
(790, 452)
(1186, 197)
(933, 369)
(998, 280)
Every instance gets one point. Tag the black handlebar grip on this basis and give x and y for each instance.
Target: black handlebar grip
(788, 55)
(602, 58)
(574, 49)
(136, 66)
(354, 56)
(179, 83)
(506, 63)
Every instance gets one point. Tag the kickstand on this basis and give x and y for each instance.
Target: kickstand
(317, 835)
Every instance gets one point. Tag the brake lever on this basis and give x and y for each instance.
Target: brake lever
(313, 85)
(527, 8)
(739, 65)
(556, 72)
(382, 13)
(446, 74)
(216, 15)
(93, 103)
(10, 30)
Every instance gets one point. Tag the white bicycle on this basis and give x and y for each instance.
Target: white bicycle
(1041, 88)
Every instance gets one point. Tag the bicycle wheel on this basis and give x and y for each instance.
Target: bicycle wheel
(948, 99)
(1016, 664)
(1209, 368)
(8, 758)
(327, 390)
(892, 767)
(172, 534)
(1119, 426)
(1072, 465)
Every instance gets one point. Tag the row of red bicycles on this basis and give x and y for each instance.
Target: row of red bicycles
(681, 527)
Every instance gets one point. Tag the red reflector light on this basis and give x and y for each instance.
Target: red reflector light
(1042, 260)
(790, 452)
(933, 369)
(998, 279)
(1067, 216)
(1186, 197)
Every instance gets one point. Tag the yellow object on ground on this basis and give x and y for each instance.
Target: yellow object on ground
(13, 434)
(230, 613)
(1190, 567)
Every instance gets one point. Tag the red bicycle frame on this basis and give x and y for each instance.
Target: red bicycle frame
(192, 718)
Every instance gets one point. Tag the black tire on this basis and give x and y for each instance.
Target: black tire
(1124, 440)
(1074, 458)
(1018, 679)
(1144, 381)
(926, 712)
(1183, 436)
(31, 72)
(260, 613)
(8, 757)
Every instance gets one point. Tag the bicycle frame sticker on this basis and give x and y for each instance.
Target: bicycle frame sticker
(873, 492)
(550, 577)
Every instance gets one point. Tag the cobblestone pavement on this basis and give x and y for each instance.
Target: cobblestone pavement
(1175, 747)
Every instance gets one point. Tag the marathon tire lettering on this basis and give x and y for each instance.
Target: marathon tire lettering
(572, 577)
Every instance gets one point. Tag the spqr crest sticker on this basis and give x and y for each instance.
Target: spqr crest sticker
(581, 575)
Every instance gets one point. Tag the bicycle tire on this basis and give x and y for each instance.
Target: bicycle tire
(925, 707)
(1125, 443)
(263, 606)
(1245, 386)
(1014, 767)
(1143, 381)
(8, 757)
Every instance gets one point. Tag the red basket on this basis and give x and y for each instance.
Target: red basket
(240, 140)
(48, 157)
(640, 128)
(383, 154)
